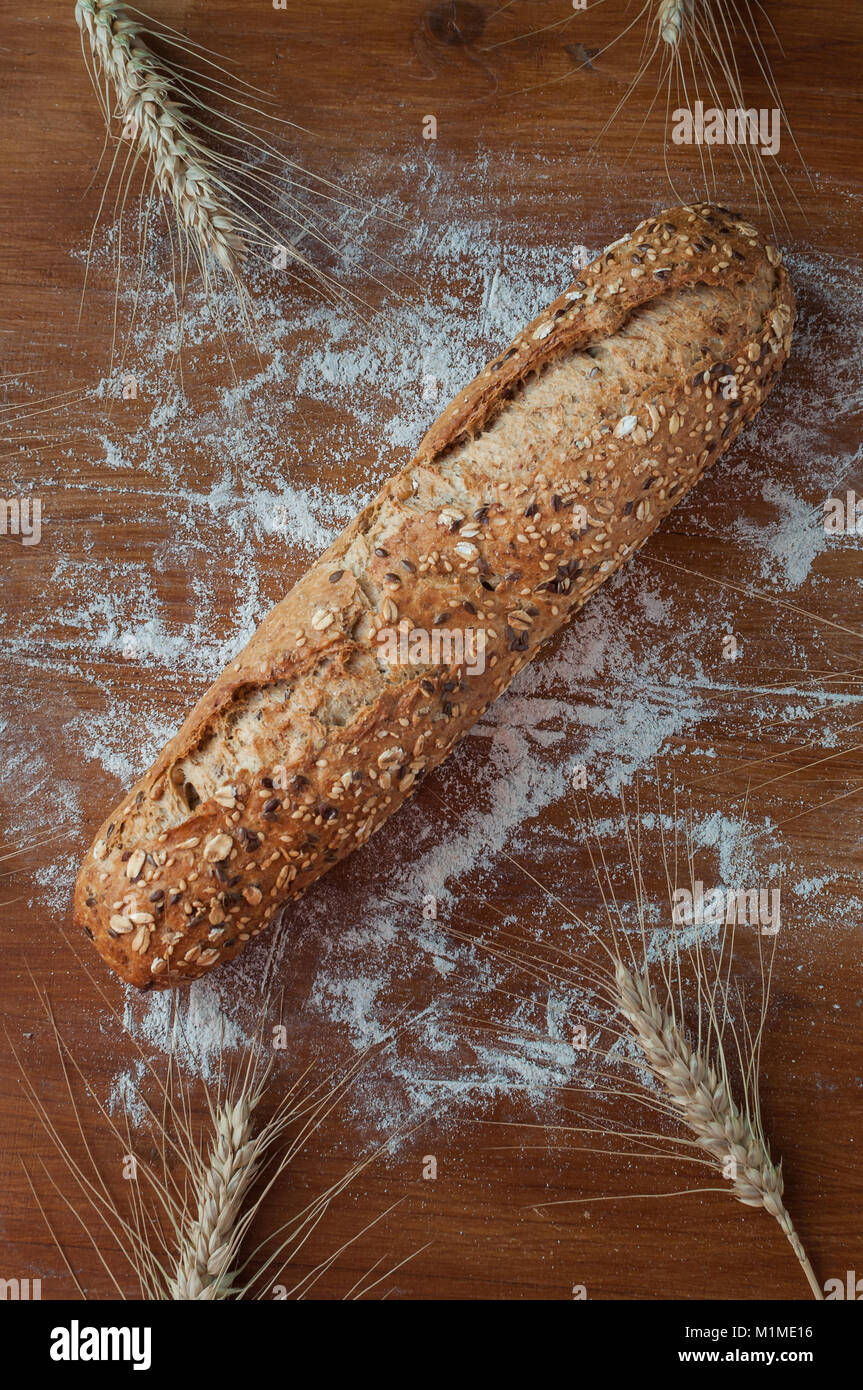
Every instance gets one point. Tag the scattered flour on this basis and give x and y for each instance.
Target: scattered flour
(241, 491)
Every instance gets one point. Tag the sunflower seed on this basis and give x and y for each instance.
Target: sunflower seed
(219, 847)
(135, 864)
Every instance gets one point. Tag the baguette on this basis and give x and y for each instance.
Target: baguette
(533, 486)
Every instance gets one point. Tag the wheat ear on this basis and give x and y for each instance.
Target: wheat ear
(705, 1104)
(672, 19)
(694, 1079)
(157, 126)
(205, 1265)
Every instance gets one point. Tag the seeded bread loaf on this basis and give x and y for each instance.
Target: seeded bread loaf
(533, 486)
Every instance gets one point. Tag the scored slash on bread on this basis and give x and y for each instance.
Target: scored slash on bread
(534, 485)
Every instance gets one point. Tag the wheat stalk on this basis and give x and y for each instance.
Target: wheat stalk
(179, 162)
(690, 1081)
(186, 1215)
(695, 42)
(702, 1096)
(196, 140)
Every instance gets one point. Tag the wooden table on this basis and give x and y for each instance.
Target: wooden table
(520, 95)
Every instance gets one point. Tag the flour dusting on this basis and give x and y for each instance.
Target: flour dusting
(244, 485)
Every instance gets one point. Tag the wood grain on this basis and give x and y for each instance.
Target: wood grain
(506, 87)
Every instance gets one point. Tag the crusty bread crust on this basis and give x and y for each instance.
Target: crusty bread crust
(606, 408)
